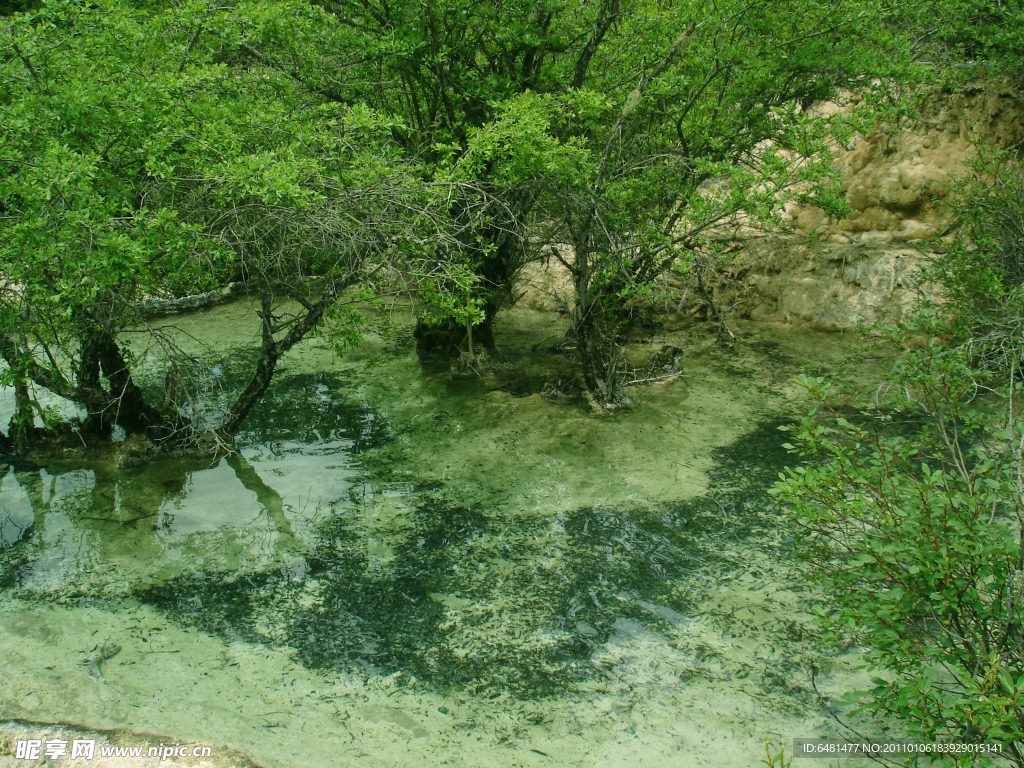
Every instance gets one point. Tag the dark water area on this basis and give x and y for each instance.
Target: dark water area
(629, 564)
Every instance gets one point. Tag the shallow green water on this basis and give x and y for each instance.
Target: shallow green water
(616, 588)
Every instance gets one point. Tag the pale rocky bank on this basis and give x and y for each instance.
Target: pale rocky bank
(834, 275)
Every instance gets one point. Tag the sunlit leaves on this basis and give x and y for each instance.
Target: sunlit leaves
(151, 149)
(521, 144)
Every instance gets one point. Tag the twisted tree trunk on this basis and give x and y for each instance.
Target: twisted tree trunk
(272, 348)
(130, 409)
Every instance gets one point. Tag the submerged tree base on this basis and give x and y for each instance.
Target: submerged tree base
(622, 402)
(63, 443)
(448, 339)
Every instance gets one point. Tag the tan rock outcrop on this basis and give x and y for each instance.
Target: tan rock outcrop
(833, 274)
(896, 178)
(865, 269)
(828, 286)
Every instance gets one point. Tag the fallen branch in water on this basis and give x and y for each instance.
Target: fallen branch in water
(150, 307)
(661, 379)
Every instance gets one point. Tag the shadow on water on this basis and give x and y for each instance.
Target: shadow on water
(310, 409)
(397, 578)
(488, 601)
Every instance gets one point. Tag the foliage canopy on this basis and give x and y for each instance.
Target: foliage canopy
(305, 149)
(167, 152)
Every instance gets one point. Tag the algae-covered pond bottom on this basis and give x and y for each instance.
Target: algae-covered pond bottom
(401, 569)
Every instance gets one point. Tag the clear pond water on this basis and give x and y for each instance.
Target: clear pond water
(406, 569)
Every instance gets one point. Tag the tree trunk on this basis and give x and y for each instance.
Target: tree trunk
(99, 420)
(18, 358)
(599, 358)
(261, 376)
(23, 431)
(131, 411)
(445, 340)
(271, 351)
(600, 364)
(125, 403)
(496, 270)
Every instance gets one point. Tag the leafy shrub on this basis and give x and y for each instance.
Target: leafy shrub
(917, 536)
(982, 271)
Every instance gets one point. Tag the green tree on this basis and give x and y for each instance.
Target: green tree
(968, 34)
(697, 124)
(641, 105)
(446, 72)
(9, 7)
(982, 269)
(152, 152)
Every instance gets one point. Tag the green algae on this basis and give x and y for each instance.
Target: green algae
(483, 601)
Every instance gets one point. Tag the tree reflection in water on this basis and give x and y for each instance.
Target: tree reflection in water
(174, 516)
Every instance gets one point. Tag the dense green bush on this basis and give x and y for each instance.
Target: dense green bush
(917, 539)
(916, 533)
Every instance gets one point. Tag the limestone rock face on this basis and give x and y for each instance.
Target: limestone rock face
(865, 269)
(545, 286)
(828, 286)
(897, 178)
(832, 274)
